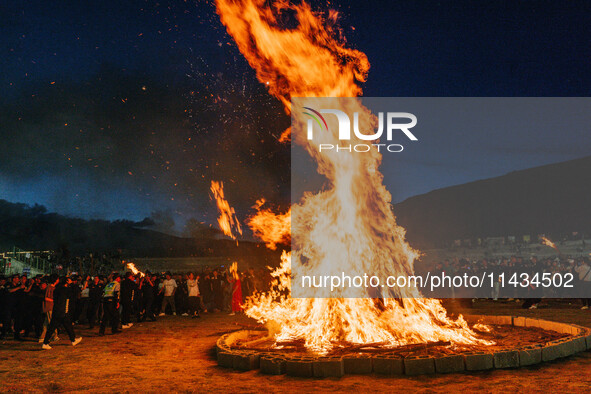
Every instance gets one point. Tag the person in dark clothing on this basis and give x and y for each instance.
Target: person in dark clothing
(95, 293)
(23, 316)
(15, 299)
(138, 297)
(76, 303)
(181, 295)
(4, 307)
(35, 315)
(158, 295)
(217, 291)
(111, 305)
(148, 289)
(61, 313)
(81, 312)
(207, 293)
(248, 284)
(128, 289)
(27, 318)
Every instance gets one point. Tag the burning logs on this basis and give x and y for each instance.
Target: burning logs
(520, 342)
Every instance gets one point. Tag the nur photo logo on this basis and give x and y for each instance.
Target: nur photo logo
(389, 122)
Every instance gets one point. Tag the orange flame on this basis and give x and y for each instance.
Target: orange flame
(134, 270)
(549, 243)
(347, 227)
(234, 270)
(227, 219)
(271, 228)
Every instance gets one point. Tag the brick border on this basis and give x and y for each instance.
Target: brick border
(278, 363)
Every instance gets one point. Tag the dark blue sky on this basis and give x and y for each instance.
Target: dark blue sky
(119, 109)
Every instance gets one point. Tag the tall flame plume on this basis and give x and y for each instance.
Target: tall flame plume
(349, 226)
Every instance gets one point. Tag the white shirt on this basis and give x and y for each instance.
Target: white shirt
(583, 270)
(193, 287)
(169, 286)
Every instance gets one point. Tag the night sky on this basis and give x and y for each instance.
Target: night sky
(129, 109)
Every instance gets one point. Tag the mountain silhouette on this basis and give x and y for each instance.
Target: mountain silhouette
(33, 228)
(550, 199)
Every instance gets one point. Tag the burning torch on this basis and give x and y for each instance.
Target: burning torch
(134, 270)
(547, 242)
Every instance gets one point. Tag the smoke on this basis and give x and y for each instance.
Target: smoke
(122, 144)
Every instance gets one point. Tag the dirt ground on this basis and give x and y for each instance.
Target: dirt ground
(176, 354)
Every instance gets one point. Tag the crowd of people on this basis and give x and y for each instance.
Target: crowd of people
(45, 305)
(527, 275)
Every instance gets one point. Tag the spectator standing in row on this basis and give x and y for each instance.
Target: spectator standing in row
(138, 296)
(217, 290)
(4, 307)
(181, 295)
(168, 288)
(34, 313)
(16, 292)
(148, 288)
(95, 292)
(128, 288)
(194, 295)
(206, 292)
(111, 305)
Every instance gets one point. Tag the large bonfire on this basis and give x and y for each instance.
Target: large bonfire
(349, 226)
